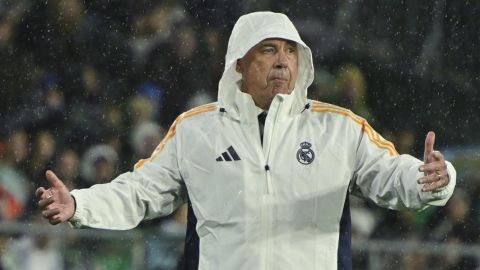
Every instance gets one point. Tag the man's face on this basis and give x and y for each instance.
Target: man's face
(269, 68)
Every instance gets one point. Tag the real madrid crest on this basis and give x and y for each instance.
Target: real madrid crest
(305, 155)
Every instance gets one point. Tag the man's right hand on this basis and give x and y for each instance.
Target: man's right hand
(56, 203)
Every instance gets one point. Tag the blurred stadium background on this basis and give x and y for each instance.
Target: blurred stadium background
(89, 87)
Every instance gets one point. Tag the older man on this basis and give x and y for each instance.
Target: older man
(267, 171)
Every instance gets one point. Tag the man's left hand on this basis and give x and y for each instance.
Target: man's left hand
(434, 167)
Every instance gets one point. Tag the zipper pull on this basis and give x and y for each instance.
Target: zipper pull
(269, 179)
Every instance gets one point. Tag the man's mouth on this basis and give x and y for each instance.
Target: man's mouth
(278, 79)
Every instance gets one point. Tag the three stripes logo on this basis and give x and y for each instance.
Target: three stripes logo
(229, 155)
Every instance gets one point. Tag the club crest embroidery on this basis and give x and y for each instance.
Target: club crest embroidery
(305, 155)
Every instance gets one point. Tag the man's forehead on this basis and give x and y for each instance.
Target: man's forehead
(270, 40)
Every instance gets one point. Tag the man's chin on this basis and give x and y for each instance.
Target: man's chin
(282, 90)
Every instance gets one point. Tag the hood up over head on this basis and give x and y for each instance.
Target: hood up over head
(249, 30)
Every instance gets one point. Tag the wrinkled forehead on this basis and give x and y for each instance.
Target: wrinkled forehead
(274, 39)
(271, 42)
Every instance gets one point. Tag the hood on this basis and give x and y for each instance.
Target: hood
(249, 30)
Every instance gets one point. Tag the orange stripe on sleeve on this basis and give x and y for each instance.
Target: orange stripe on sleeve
(375, 138)
(371, 133)
(315, 103)
(139, 163)
(173, 129)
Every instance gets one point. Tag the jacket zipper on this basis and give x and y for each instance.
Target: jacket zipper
(268, 199)
(267, 157)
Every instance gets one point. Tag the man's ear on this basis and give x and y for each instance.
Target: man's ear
(238, 66)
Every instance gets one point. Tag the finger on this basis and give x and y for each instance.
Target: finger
(42, 204)
(434, 167)
(436, 155)
(430, 178)
(434, 185)
(55, 220)
(429, 142)
(427, 187)
(39, 192)
(53, 179)
(50, 213)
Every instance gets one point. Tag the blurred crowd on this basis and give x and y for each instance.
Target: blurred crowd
(89, 87)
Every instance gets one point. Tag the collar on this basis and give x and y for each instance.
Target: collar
(243, 107)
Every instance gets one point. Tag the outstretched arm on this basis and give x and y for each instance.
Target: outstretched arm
(154, 188)
(402, 181)
(56, 203)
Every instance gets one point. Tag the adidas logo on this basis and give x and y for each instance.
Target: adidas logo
(228, 155)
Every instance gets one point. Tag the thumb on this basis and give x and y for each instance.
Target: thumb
(429, 142)
(53, 179)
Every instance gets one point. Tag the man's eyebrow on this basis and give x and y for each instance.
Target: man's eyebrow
(290, 42)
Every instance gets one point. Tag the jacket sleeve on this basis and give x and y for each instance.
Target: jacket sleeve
(389, 179)
(154, 188)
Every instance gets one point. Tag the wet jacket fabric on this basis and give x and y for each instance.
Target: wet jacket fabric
(280, 205)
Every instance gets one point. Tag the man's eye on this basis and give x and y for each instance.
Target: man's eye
(292, 50)
(268, 50)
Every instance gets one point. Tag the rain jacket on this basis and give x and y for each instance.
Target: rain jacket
(280, 205)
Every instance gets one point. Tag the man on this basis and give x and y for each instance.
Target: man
(269, 195)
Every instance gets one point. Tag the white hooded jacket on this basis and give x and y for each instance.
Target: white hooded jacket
(280, 205)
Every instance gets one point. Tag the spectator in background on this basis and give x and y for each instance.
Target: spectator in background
(36, 251)
(213, 47)
(14, 184)
(347, 88)
(17, 71)
(323, 86)
(413, 261)
(144, 139)
(177, 72)
(99, 164)
(13, 190)
(4, 259)
(453, 218)
(197, 99)
(401, 226)
(39, 108)
(16, 150)
(153, 28)
(218, 14)
(115, 129)
(364, 221)
(453, 225)
(144, 113)
(147, 104)
(56, 32)
(67, 164)
(86, 115)
(165, 242)
(140, 110)
(43, 154)
(405, 139)
(352, 90)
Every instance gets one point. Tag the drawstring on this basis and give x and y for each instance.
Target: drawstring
(307, 106)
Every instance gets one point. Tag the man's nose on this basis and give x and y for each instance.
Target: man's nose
(282, 60)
